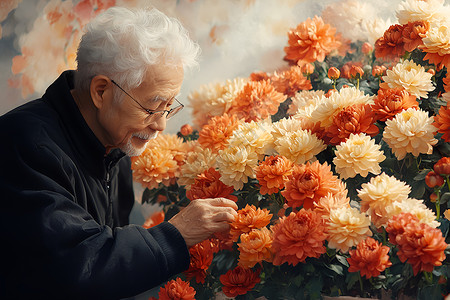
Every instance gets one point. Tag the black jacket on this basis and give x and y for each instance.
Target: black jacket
(64, 210)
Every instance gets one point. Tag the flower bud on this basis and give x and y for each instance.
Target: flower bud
(442, 166)
(433, 180)
(186, 129)
(334, 73)
(356, 72)
(378, 71)
(433, 197)
(431, 71)
(366, 48)
(307, 69)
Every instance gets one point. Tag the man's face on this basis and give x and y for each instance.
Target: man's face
(127, 125)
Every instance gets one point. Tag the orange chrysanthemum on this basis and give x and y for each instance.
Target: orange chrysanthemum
(412, 33)
(446, 81)
(272, 173)
(310, 41)
(259, 76)
(239, 281)
(177, 290)
(201, 258)
(309, 182)
(255, 247)
(249, 218)
(418, 243)
(154, 219)
(215, 134)
(354, 119)
(442, 122)
(291, 81)
(370, 258)
(208, 185)
(390, 46)
(442, 166)
(390, 102)
(298, 236)
(258, 100)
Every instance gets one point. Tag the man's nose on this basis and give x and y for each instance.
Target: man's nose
(159, 124)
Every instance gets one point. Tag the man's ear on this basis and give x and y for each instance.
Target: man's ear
(100, 89)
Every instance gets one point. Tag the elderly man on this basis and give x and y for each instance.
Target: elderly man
(65, 178)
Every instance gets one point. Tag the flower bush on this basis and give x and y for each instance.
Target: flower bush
(339, 164)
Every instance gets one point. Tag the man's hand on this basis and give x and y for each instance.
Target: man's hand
(203, 217)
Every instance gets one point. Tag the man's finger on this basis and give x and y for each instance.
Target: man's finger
(224, 202)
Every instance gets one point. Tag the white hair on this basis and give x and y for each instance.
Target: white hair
(122, 43)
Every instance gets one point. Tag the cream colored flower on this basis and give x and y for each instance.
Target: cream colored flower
(410, 131)
(415, 207)
(283, 126)
(331, 106)
(375, 28)
(171, 143)
(255, 136)
(236, 165)
(222, 104)
(437, 40)
(359, 154)
(380, 193)
(331, 201)
(299, 146)
(346, 227)
(414, 10)
(196, 162)
(304, 99)
(409, 76)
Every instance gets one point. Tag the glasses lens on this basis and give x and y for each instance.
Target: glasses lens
(174, 111)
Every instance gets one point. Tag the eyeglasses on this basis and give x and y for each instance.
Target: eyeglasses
(155, 113)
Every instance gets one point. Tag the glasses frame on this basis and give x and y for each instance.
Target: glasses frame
(153, 113)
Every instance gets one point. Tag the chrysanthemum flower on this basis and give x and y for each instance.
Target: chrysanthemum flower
(257, 100)
(353, 119)
(413, 10)
(346, 227)
(217, 131)
(197, 161)
(201, 258)
(436, 44)
(447, 214)
(442, 122)
(413, 32)
(177, 289)
(419, 244)
(255, 247)
(310, 41)
(299, 146)
(285, 125)
(359, 154)
(370, 258)
(254, 136)
(410, 131)
(390, 45)
(380, 193)
(303, 99)
(154, 219)
(390, 102)
(208, 185)
(409, 76)
(247, 219)
(239, 281)
(298, 236)
(272, 173)
(290, 82)
(416, 208)
(330, 201)
(309, 182)
(171, 143)
(236, 165)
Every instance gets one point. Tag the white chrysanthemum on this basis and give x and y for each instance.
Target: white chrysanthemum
(331, 106)
(380, 193)
(375, 28)
(346, 227)
(348, 16)
(437, 40)
(299, 146)
(256, 136)
(410, 131)
(359, 154)
(305, 99)
(236, 165)
(197, 161)
(415, 207)
(409, 76)
(414, 10)
(283, 126)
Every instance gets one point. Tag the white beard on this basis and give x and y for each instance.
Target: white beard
(131, 150)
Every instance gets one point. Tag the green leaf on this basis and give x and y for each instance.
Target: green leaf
(445, 197)
(336, 268)
(351, 279)
(422, 174)
(431, 292)
(342, 259)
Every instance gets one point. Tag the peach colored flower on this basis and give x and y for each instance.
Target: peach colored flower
(208, 185)
(390, 102)
(413, 32)
(154, 219)
(259, 76)
(419, 244)
(257, 100)
(310, 41)
(255, 247)
(298, 236)
(254, 136)
(447, 214)
(346, 227)
(197, 161)
(413, 10)
(436, 45)
(247, 219)
(272, 173)
(201, 258)
(353, 119)
(378, 71)
(309, 182)
(333, 73)
(358, 155)
(171, 143)
(299, 146)
(390, 46)
(290, 82)
(239, 281)
(186, 129)
(370, 258)
(410, 131)
(307, 69)
(303, 99)
(217, 131)
(177, 289)
(442, 122)
(330, 201)
(415, 207)
(366, 48)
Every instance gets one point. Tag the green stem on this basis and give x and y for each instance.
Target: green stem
(447, 178)
(438, 203)
(384, 236)
(428, 277)
(361, 285)
(357, 83)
